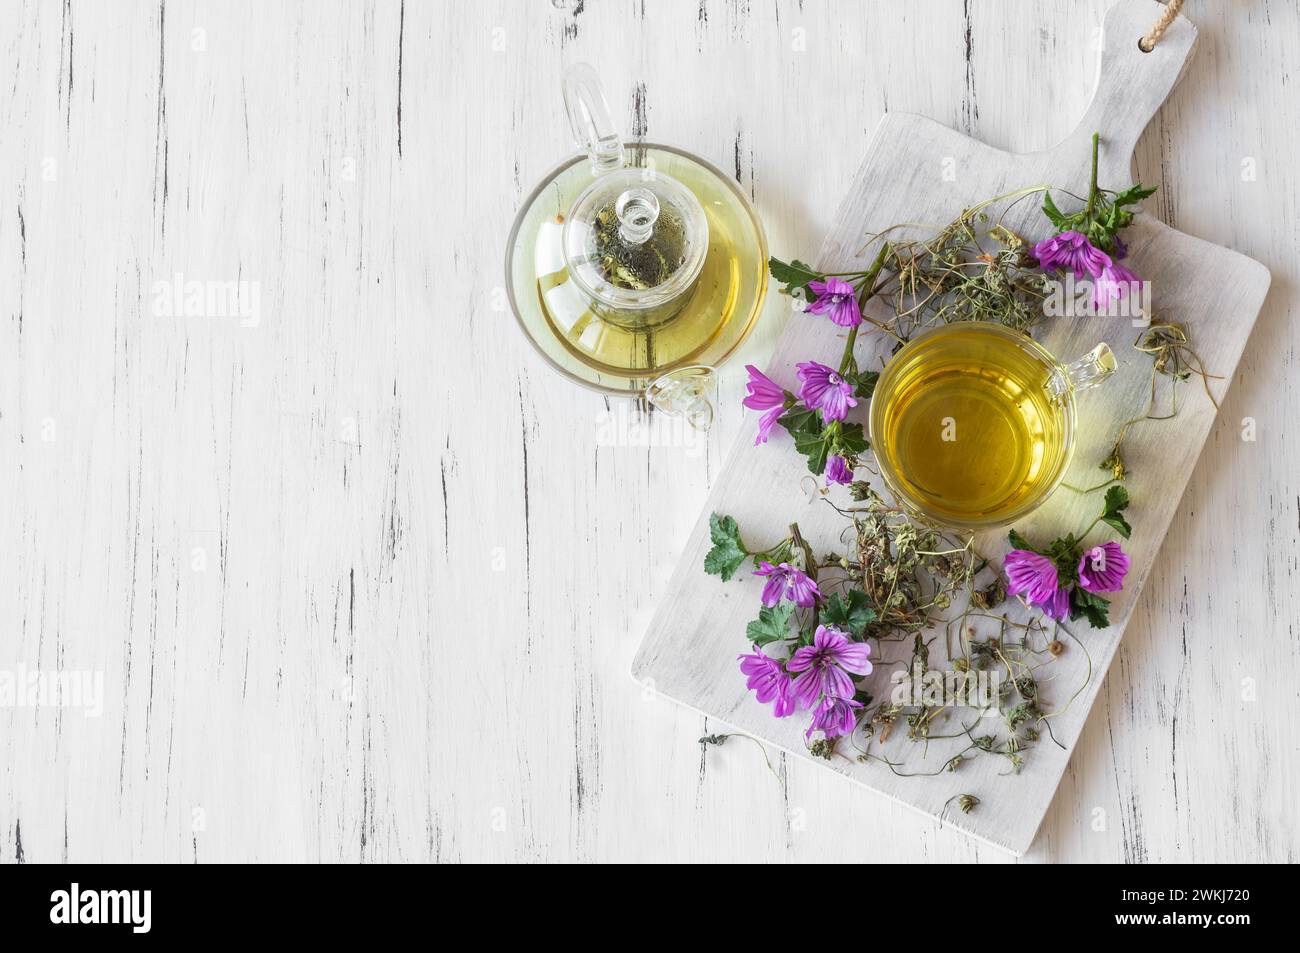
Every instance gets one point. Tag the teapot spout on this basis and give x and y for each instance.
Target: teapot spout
(686, 393)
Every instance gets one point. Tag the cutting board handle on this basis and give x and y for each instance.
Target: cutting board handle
(1131, 84)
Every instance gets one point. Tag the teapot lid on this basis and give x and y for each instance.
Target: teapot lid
(635, 238)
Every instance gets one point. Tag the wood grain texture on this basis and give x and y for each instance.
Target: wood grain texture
(690, 649)
(428, 561)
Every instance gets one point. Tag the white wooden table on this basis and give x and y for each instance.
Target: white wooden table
(360, 578)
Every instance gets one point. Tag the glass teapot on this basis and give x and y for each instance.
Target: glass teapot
(636, 269)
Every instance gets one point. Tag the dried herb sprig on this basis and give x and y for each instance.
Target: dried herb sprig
(973, 269)
(718, 740)
(1174, 358)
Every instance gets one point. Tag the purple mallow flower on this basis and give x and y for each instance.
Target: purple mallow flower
(822, 666)
(1058, 606)
(1071, 251)
(838, 471)
(764, 394)
(1112, 284)
(825, 390)
(835, 300)
(1034, 576)
(1102, 568)
(769, 681)
(834, 716)
(786, 582)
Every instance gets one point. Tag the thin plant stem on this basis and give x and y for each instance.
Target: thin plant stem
(1092, 180)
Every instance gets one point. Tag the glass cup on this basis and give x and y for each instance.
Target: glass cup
(973, 424)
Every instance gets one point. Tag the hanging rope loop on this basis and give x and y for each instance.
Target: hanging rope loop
(1148, 42)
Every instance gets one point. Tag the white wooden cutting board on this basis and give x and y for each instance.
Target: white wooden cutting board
(919, 171)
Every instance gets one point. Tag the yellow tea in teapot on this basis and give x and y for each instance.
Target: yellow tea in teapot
(964, 419)
(705, 324)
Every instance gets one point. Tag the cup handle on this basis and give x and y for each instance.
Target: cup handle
(685, 393)
(1088, 371)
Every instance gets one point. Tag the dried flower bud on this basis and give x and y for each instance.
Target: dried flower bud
(822, 748)
(1114, 464)
(991, 596)
(1056, 647)
(967, 802)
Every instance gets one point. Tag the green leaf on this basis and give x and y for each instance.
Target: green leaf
(728, 551)
(1065, 552)
(852, 439)
(801, 420)
(1051, 211)
(1134, 194)
(1090, 606)
(1119, 524)
(864, 384)
(815, 447)
(1019, 542)
(723, 529)
(851, 616)
(1117, 499)
(772, 624)
(1116, 502)
(794, 275)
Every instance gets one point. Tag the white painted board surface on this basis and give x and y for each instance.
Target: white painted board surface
(364, 579)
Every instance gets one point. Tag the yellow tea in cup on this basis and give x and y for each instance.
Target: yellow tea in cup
(973, 423)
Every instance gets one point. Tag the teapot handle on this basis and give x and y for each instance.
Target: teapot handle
(593, 130)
